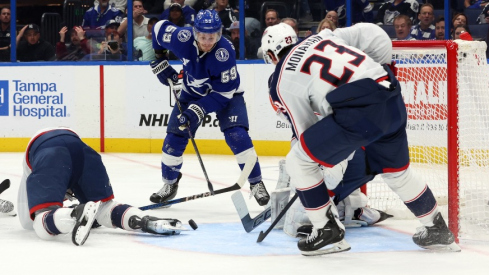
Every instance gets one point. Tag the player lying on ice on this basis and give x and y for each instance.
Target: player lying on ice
(343, 77)
(57, 161)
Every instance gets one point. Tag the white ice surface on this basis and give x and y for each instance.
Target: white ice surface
(220, 245)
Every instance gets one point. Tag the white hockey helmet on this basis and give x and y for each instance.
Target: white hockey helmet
(275, 38)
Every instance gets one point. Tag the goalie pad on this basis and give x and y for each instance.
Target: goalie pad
(283, 176)
(294, 218)
(279, 198)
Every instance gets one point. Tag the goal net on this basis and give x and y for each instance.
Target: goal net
(445, 85)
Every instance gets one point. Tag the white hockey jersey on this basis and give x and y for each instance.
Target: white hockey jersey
(320, 64)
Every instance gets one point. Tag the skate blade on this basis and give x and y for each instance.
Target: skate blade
(11, 213)
(80, 234)
(453, 247)
(340, 246)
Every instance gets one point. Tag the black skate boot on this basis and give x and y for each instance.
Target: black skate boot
(84, 215)
(329, 239)
(437, 237)
(260, 193)
(304, 230)
(156, 225)
(167, 192)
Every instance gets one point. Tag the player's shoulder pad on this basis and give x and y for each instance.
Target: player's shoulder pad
(224, 52)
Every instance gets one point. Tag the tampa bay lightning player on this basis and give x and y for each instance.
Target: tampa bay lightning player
(210, 84)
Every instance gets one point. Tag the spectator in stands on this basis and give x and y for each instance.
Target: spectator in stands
(392, 8)
(402, 26)
(96, 17)
(250, 47)
(271, 18)
(4, 34)
(110, 49)
(188, 12)
(96, 36)
(475, 4)
(32, 47)
(326, 24)
(143, 44)
(362, 11)
(176, 15)
(425, 29)
(139, 21)
(459, 31)
(440, 28)
(118, 4)
(78, 47)
(226, 13)
(333, 16)
(459, 19)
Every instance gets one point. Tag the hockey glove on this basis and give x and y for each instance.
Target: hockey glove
(162, 69)
(191, 117)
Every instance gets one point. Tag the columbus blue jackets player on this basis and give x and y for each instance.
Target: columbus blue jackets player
(337, 75)
(210, 84)
(57, 161)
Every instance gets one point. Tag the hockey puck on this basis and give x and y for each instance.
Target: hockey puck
(192, 224)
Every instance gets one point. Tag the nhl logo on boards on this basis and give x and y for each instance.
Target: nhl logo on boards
(222, 54)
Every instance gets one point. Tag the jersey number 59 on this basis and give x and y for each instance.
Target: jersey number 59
(228, 75)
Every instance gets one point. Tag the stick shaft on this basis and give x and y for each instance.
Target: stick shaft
(209, 184)
(279, 217)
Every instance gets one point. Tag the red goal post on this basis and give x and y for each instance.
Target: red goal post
(445, 85)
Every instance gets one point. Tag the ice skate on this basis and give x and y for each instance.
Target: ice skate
(156, 225)
(85, 216)
(167, 192)
(436, 237)
(329, 239)
(260, 192)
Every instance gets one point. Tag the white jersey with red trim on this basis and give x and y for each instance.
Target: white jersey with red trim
(314, 68)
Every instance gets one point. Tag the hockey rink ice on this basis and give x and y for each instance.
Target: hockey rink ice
(219, 245)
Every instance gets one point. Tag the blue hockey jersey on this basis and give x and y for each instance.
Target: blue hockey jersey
(211, 78)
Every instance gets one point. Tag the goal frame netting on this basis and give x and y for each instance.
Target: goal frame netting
(451, 48)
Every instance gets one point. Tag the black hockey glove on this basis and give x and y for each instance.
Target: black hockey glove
(191, 117)
(162, 69)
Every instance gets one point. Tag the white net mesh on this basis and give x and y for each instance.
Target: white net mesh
(423, 76)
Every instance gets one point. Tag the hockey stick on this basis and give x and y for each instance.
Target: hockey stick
(209, 184)
(248, 223)
(249, 164)
(279, 217)
(4, 185)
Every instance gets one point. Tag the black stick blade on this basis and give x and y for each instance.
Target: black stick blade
(4, 185)
(261, 237)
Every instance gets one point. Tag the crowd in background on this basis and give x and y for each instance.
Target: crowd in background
(102, 34)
